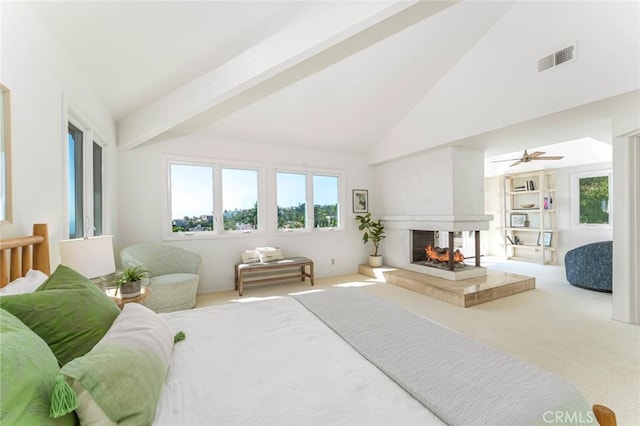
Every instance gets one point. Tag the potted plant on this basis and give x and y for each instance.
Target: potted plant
(374, 232)
(129, 281)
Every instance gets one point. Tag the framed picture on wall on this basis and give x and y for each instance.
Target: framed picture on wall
(518, 220)
(360, 201)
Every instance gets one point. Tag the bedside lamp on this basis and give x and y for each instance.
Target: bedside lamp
(92, 257)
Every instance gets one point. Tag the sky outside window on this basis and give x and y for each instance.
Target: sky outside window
(191, 191)
(239, 189)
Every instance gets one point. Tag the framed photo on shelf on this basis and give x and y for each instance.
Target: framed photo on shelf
(546, 238)
(360, 201)
(518, 220)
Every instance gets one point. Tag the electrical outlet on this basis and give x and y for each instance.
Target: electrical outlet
(333, 261)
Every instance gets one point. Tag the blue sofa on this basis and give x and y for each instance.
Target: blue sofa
(589, 266)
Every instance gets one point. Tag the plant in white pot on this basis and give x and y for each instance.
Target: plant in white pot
(373, 230)
(129, 281)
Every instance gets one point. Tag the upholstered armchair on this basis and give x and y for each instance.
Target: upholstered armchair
(590, 266)
(173, 273)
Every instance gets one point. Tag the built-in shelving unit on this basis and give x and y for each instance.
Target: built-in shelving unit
(529, 215)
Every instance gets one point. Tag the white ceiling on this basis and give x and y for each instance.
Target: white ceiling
(137, 51)
(351, 91)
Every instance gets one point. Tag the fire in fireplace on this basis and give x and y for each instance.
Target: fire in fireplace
(439, 255)
(424, 250)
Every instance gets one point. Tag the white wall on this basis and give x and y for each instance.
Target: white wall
(141, 203)
(493, 96)
(37, 71)
(444, 181)
(441, 181)
(568, 236)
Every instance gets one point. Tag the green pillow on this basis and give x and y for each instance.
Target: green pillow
(28, 369)
(67, 311)
(123, 374)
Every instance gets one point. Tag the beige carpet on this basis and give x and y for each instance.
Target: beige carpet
(560, 328)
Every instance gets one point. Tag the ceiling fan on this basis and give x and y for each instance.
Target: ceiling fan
(526, 157)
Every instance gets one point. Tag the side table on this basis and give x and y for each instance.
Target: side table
(144, 293)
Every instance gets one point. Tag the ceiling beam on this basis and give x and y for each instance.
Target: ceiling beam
(308, 37)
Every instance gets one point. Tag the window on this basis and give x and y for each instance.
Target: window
(297, 190)
(210, 198)
(191, 198)
(207, 198)
(591, 199)
(240, 199)
(85, 183)
(291, 200)
(325, 201)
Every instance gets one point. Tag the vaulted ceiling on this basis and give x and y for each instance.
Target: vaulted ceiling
(381, 78)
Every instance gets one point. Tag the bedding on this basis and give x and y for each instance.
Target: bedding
(463, 381)
(120, 379)
(67, 311)
(28, 369)
(27, 284)
(271, 362)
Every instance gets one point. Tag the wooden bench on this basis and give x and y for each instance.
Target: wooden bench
(257, 272)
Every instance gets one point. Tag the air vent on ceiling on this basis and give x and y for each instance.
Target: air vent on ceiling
(560, 57)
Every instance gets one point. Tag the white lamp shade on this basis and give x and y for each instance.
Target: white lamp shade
(92, 257)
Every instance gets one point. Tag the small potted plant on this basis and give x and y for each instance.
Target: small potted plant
(129, 281)
(374, 232)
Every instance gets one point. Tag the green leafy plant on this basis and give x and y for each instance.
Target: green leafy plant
(129, 275)
(373, 231)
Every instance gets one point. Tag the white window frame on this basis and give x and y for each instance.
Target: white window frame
(309, 173)
(89, 137)
(575, 199)
(218, 219)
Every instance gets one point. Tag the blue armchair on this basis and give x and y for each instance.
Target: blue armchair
(589, 266)
(173, 272)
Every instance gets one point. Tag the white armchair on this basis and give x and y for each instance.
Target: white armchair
(173, 273)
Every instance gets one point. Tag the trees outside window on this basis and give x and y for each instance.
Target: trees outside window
(291, 200)
(591, 199)
(297, 190)
(209, 198)
(240, 199)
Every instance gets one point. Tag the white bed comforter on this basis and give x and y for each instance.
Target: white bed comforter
(272, 362)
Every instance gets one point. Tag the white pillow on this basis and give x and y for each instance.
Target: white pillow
(27, 284)
(249, 256)
(269, 254)
(121, 378)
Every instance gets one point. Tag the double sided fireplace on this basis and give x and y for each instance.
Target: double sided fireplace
(426, 250)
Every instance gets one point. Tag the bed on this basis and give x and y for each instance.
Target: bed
(316, 358)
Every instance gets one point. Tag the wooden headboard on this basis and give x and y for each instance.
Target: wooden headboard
(24, 253)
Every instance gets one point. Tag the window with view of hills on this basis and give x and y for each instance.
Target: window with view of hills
(191, 191)
(296, 190)
(240, 199)
(210, 198)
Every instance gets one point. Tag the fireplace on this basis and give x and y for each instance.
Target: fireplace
(426, 250)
